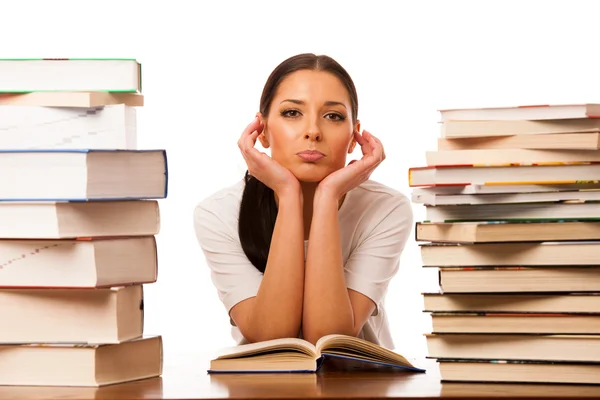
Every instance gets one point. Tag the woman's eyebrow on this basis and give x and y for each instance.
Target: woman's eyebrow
(327, 103)
(300, 102)
(335, 103)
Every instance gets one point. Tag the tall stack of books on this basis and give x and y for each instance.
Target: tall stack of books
(79, 212)
(512, 199)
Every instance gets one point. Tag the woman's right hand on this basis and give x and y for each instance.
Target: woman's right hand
(263, 167)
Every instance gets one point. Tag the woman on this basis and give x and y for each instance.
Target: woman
(305, 245)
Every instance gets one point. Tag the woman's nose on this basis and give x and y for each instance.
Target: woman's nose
(313, 136)
(313, 132)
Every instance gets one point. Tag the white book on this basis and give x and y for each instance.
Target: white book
(79, 365)
(31, 127)
(71, 99)
(69, 220)
(75, 263)
(103, 315)
(517, 211)
(433, 199)
(549, 174)
(530, 112)
(76, 75)
(493, 189)
(36, 175)
(499, 129)
(509, 156)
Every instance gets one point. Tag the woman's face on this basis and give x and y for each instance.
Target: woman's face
(309, 127)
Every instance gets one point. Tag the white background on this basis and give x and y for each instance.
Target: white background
(204, 65)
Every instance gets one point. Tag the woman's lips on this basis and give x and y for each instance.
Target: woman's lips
(310, 155)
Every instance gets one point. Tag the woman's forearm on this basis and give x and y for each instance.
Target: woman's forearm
(327, 307)
(277, 310)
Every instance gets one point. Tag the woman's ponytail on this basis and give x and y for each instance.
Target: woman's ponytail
(258, 213)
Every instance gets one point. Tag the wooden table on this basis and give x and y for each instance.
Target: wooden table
(185, 378)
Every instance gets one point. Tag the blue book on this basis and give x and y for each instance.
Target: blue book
(82, 175)
(298, 355)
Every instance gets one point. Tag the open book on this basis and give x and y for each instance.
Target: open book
(298, 355)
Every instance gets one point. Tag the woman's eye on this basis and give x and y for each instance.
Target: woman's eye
(334, 117)
(290, 113)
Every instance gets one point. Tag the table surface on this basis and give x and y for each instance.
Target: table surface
(185, 378)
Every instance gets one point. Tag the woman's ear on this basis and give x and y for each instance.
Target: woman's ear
(264, 140)
(352, 144)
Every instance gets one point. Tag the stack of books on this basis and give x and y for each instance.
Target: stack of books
(79, 212)
(512, 224)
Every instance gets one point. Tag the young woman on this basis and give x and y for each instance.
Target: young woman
(305, 245)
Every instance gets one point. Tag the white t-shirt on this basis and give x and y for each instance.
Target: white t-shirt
(375, 222)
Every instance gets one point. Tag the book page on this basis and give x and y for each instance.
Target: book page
(270, 346)
(359, 348)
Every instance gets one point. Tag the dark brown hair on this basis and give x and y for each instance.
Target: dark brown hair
(258, 210)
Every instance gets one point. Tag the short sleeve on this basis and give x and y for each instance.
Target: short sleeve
(376, 259)
(233, 275)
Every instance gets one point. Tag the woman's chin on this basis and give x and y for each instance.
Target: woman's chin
(310, 176)
(312, 172)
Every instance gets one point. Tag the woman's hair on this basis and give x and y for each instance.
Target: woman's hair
(258, 210)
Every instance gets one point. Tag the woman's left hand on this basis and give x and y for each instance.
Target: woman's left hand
(356, 172)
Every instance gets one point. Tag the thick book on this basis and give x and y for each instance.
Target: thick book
(533, 323)
(573, 302)
(578, 348)
(55, 364)
(507, 128)
(524, 112)
(576, 210)
(496, 232)
(551, 141)
(80, 263)
(107, 315)
(70, 220)
(432, 199)
(518, 371)
(298, 355)
(511, 254)
(510, 156)
(71, 99)
(505, 174)
(519, 279)
(70, 75)
(87, 174)
(503, 189)
(30, 127)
